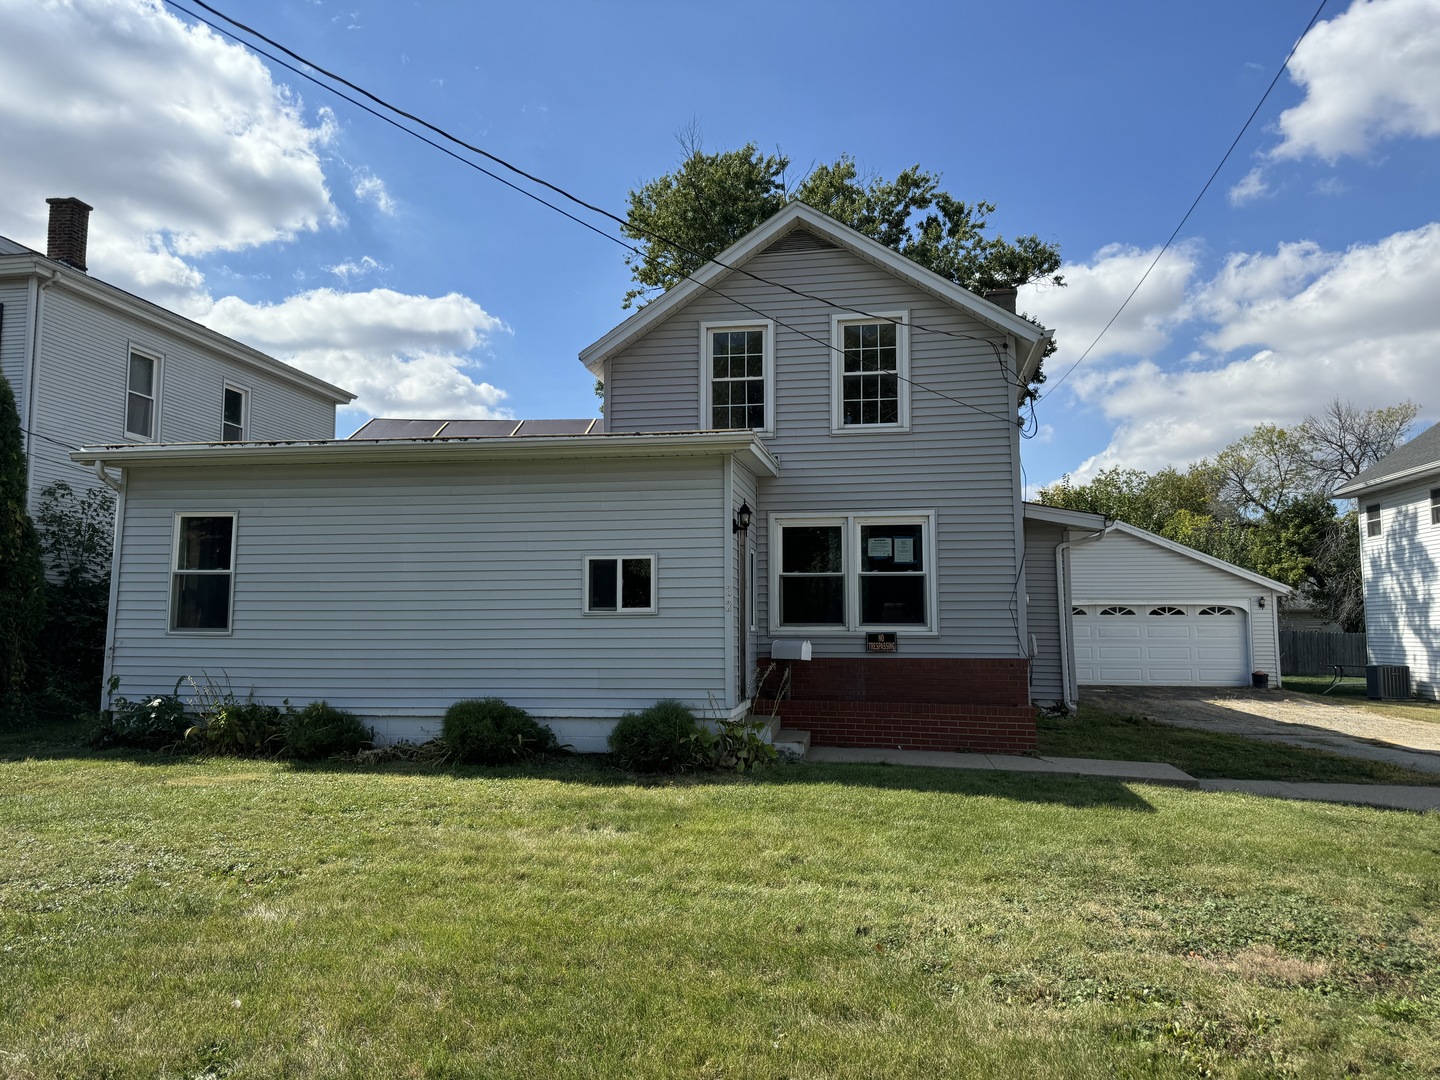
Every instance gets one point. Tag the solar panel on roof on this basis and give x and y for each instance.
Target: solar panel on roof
(555, 427)
(478, 429)
(382, 428)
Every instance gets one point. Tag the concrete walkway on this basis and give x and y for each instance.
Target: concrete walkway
(1386, 796)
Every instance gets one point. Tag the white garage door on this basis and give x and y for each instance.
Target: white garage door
(1161, 645)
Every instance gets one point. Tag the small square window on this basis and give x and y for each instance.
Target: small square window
(623, 585)
(1372, 519)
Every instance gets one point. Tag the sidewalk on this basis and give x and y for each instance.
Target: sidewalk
(1386, 796)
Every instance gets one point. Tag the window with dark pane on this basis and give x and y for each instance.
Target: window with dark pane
(233, 421)
(737, 378)
(892, 574)
(604, 585)
(812, 578)
(871, 386)
(140, 398)
(200, 588)
(620, 584)
(635, 584)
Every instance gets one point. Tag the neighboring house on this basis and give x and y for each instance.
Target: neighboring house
(90, 363)
(810, 450)
(1147, 611)
(1399, 500)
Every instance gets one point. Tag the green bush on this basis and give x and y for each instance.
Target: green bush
(320, 730)
(248, 728)
(487, 731)
(152, 724)
(666, 737)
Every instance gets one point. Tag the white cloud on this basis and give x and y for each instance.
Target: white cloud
(403, 355)
(1251, 187)
(370, 188)
(1308, 325)
(1370, 74)
(350, 269)
(1094, 291)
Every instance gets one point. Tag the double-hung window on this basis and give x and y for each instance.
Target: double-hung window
(620, 585)
(853, 572)
(235, 414)
(142, 396)
(1372, 519)
(737, 379)
(870, 387)
(1435, 506)
(202, 579)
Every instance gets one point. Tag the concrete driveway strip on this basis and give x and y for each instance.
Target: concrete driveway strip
(1279, 716)
(1388, 796)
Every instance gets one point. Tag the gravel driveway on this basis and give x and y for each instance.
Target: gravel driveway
(1299, 719)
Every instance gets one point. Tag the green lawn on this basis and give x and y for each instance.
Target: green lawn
(1351, 691)
(183, 918)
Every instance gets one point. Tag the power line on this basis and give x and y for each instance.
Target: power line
(599, 232)
(1258, 105)
(624, 222)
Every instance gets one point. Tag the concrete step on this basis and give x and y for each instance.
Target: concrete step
(792, 743)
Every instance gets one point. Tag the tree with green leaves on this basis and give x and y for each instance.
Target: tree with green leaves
(76, 530)
(686, 217)
(22, 572)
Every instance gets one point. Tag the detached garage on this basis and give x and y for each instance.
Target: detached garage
(1146, 611)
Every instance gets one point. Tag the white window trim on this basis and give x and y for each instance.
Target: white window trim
(707, 369)
(175, 572)
(244, 392)
(1435, 506)
(850, 524)
(1376, 521)
(653, 609)
(159, 360)
(901, 317)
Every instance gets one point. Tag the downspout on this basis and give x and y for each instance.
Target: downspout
(114, 483)
(108, 667)
(1067, 634)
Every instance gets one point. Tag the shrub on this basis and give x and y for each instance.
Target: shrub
(22, 574)
(151, 724)
(320, 730)
(488, 731)
(248, 727)
(664, 738)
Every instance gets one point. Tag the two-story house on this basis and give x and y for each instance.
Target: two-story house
(89, 363)
(810, 453)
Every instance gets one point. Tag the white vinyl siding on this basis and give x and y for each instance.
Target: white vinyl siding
(1043, 603)
(81, 382)
(1125, 570)
(959, 460)
(397, 590)
(14, 331)
(1401, 571)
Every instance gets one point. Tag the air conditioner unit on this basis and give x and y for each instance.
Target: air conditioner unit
(1388, 681)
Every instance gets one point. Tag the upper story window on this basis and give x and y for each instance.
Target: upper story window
(853, 572)
(870, 383)
(737, 376)
(1435, 506)
(1372, 519)
(142, 396)
(204, 569)
(235, 414)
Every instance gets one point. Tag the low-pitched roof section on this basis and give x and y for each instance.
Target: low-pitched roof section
(1031, 339)
(1417, 458)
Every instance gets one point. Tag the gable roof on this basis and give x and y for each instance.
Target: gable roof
(1419, 456)
(797, 215)
(1199, 556)
(26, 262)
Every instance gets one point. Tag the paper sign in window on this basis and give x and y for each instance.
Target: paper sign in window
(879, 547)
(904, 549)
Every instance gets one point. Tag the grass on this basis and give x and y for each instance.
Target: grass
(1094, 733)
(1351, 691)
(179, 918)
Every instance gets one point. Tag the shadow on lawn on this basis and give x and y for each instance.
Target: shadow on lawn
(70, 742)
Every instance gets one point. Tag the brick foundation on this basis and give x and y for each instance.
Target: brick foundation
(910, 704)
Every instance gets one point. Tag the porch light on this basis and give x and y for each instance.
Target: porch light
(742, 518)
(1261, 601)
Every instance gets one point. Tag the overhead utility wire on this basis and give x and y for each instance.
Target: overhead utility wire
(1263, 97)
(599, 232)
(625, 222)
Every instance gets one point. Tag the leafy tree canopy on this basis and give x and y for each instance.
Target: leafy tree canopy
(685, 217)
(22, 573)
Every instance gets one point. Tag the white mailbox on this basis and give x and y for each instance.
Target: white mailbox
(789, 649)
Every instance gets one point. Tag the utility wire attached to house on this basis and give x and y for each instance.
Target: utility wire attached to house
(1052, 387)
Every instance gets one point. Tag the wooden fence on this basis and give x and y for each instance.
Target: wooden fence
(1318, 652)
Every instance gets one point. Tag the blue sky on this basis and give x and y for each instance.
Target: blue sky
(243, 196)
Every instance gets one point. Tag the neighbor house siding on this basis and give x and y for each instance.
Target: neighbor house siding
(1043, 600)
(1401, 571)
(1128, 570)
(81, 378)
(396, 590)
(957, 460)
(14, 331)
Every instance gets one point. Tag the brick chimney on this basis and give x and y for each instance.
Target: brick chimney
(1004, 298)
(69, 231)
